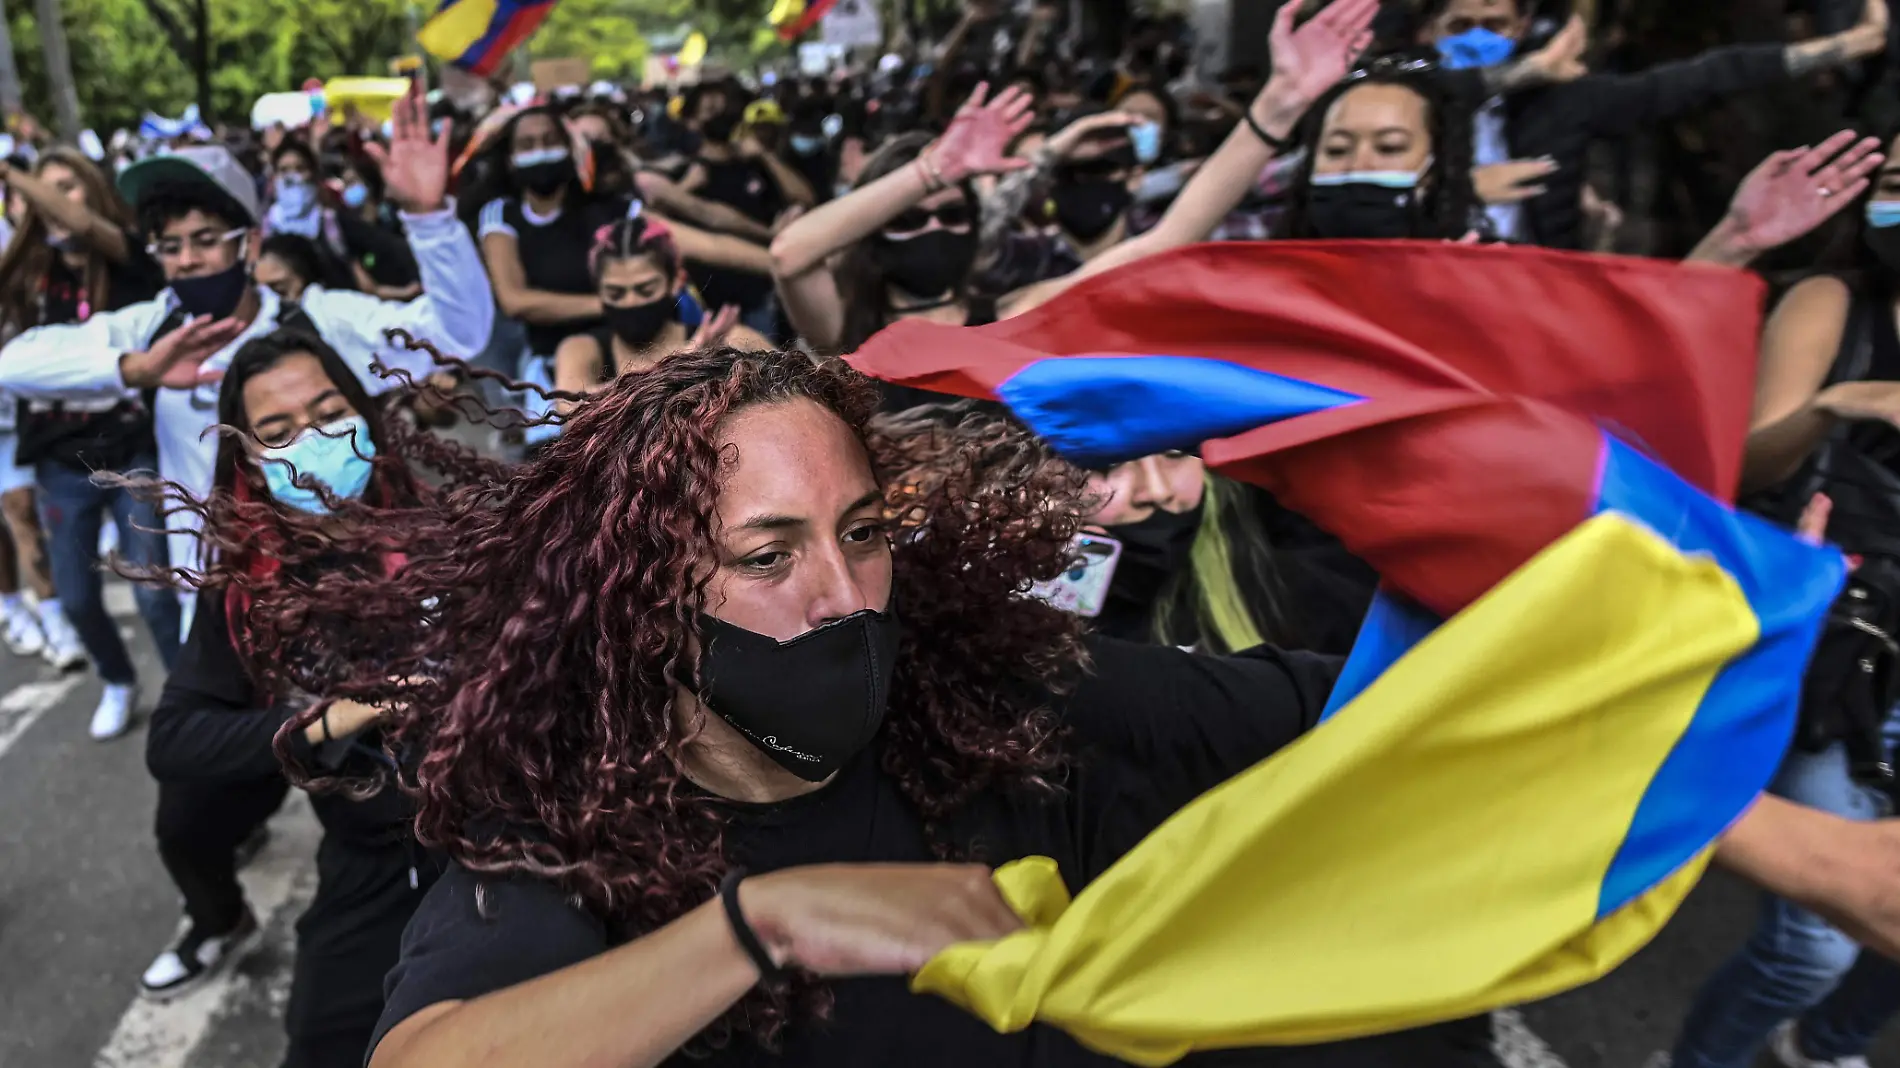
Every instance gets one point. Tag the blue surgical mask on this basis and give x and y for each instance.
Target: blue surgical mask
(295, 195)
(355, 195)
(337, 455)
(1146, 137)
(524, 160)
(807, 144)
(1383, 179)
(1476, 47)
(1883, 213)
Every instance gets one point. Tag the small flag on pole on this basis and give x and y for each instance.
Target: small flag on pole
(476, 35)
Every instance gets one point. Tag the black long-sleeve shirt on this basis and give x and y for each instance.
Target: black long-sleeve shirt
(1560, 121)
(212, 723)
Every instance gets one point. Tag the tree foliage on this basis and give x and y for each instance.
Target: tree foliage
(134, 56)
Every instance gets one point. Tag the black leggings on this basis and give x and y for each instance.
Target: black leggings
(199, 827)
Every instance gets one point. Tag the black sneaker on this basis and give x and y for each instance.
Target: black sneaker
(195, 958)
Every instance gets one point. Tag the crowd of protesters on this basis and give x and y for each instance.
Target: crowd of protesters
(633, 279)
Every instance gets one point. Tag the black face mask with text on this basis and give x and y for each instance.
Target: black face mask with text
(1154, 551)
(929, 265)
(811, 703)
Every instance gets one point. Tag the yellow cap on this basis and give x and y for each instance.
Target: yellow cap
(764, 112)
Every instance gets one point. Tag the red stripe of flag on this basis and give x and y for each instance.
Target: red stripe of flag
(813, 12)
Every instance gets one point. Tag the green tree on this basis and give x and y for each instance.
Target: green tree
(605, 32)
(134, 56)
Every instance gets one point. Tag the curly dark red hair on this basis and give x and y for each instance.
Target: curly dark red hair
(530, 646)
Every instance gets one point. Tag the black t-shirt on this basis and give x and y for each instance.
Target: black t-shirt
(94, 435)
(747, 186)
(1152, 728)
(554, 254)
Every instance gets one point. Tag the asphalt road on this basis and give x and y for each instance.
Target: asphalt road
(84, 906)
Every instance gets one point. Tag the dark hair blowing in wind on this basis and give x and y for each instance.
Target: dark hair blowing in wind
(532, 641)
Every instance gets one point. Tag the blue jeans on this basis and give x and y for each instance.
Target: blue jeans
(1794, 958)
(72, 508)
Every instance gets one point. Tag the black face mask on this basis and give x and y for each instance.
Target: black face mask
(1360, 209)
(810, 703)
(1153, 552)
(719, 128)
(216, 295)
(638, 324)
(545, 179)
(1884, 242)
(931, 264)
(1088, 208)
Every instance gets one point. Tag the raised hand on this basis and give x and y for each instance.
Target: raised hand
(174, 361)
(1070, 137)
(1313, 58)
(1793, 191)
(1562, 59)
(415, 166)
(980, 134)
(1512, 180)
(713, 329)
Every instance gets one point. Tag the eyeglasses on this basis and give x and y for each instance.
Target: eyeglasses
(955, 215)
(203, 241)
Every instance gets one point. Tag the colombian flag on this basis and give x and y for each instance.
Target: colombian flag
(476, 35)
(1582, 667)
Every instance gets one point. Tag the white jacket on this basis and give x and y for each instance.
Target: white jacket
(80, 361)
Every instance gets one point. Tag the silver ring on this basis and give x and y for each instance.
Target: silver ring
(1826, 192)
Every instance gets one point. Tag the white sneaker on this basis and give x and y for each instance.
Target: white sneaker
(114, 713)
(1785, 1044)
(22, 633)
(194, 958)
(63, 649)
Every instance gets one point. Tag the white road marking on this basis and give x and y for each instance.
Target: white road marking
(279, 882)
(1517, 1046)
(24, 705)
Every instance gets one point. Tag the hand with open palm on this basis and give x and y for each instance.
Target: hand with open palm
(1311, 59)
(1792, 192)
(415, 166)
(980, 135)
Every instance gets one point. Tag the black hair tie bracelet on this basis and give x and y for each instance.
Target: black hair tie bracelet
(1280, 145)
(748, 939)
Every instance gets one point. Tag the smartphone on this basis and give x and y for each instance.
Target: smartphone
(1083, 589)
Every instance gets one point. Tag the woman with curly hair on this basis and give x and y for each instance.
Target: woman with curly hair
(300, 434)
(668, 652)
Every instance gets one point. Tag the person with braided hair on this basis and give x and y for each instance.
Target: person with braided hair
(647, 311)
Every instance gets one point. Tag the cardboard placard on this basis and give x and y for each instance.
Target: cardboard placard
(552, 74)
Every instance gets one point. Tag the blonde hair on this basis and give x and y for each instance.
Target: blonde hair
(1217, 612)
